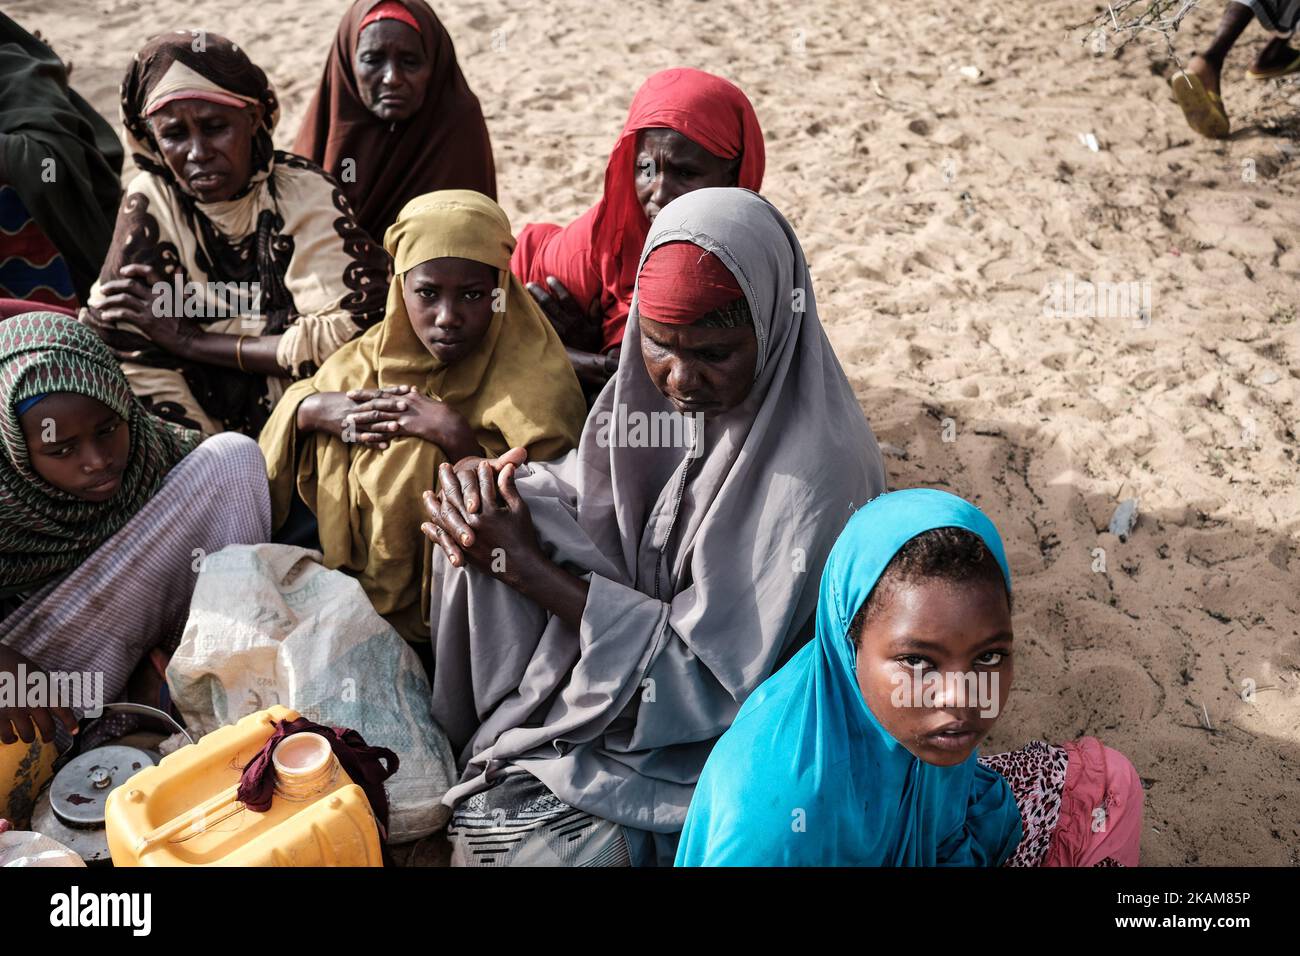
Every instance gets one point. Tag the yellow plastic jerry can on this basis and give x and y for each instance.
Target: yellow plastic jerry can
(184, 811)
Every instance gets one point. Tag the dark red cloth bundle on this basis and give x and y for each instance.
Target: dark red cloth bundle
(368, 767)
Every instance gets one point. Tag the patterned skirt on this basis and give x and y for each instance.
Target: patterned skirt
(1080, 805)
(519, 822)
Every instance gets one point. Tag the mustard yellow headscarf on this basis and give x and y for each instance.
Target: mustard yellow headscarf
(516, 388)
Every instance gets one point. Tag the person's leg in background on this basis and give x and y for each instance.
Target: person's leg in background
(1197, 89)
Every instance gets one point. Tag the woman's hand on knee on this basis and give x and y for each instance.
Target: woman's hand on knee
(349, 416)
(437, 529)
(498, 538)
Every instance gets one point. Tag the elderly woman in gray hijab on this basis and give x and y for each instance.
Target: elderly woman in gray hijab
(597, 621)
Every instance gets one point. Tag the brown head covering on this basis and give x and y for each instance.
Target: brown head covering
(444, 145)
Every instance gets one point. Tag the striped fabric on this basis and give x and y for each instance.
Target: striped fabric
(133, 592)
(519, 822)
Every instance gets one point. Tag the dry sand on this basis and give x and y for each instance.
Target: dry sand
(935, 206)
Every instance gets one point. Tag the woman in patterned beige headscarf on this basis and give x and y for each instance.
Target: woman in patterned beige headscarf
(234, 266)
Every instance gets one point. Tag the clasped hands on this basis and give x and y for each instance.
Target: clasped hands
(376, 416)
(478, 518)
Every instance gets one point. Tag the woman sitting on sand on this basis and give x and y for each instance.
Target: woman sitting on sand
(1197, 88)
(597, 625)
(233, 266)
(686, 130)
(105, 511)
(861, 750)
(393, 116)
(465, 364)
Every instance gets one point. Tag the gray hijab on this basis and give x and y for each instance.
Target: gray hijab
(703, 570)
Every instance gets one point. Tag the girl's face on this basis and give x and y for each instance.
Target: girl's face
(78, 444)
(934, 664)
(449, 302)
(208, 146)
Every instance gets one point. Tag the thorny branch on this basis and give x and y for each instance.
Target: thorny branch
(1129, 19)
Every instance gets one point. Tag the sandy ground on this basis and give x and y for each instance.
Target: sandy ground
(935, 206)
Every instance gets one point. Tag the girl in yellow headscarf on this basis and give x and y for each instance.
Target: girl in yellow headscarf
(464, 363)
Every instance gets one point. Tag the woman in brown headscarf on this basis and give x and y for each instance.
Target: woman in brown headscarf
(393, 117)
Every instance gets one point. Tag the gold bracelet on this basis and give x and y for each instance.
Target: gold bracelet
(239, 353)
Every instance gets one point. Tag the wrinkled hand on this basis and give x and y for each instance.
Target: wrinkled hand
(469, 475)
(403, 411)
(498, 535)
(130, 299)
(329, 413)
(576, 326)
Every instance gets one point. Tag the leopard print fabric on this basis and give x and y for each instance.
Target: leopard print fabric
(1036, 773)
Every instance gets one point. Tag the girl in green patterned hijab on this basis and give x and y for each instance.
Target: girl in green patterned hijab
(79, 455)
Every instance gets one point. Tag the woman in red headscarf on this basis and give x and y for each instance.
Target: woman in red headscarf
(393, 117)
(686, 130)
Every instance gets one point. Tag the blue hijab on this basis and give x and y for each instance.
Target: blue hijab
(806, 775)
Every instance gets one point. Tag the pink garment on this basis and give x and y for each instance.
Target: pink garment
(390, 10)
(681, 283)
(1101, 808)
(11, 307)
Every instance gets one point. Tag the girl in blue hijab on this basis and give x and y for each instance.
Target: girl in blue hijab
(862, 750)
(830, 762)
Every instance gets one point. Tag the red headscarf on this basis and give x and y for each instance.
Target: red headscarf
(443, 146)
(596, 255)
(680, 283)
(390, 10)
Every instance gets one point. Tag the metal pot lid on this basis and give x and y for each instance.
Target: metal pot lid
(90, 845)
(79, 791)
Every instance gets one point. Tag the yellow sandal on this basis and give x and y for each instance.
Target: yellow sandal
(1203, 109)
(1277, 72)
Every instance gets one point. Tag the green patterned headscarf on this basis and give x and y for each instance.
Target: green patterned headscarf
(46, 532)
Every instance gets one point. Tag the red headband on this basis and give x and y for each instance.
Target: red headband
(680, 283)
(389, 10)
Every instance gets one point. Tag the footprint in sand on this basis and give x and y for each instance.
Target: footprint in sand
(1107, 697)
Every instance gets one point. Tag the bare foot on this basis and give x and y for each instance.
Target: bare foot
(1207, 71)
